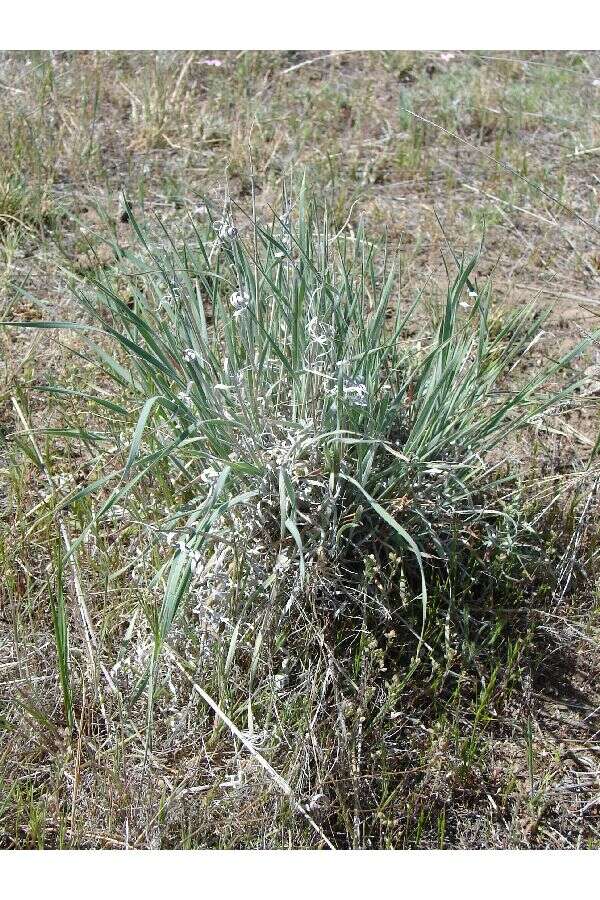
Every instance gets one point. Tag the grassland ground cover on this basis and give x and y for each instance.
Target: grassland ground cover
(298, 517)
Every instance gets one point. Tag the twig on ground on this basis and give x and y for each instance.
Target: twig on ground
(307, 62)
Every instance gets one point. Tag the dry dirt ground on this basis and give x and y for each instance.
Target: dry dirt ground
(434, 150)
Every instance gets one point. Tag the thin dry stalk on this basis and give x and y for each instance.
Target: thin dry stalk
(281, 783)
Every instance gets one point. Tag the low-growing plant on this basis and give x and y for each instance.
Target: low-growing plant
(323, 447)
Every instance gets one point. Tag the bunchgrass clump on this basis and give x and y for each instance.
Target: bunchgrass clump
(307, 488)
(318, 447)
